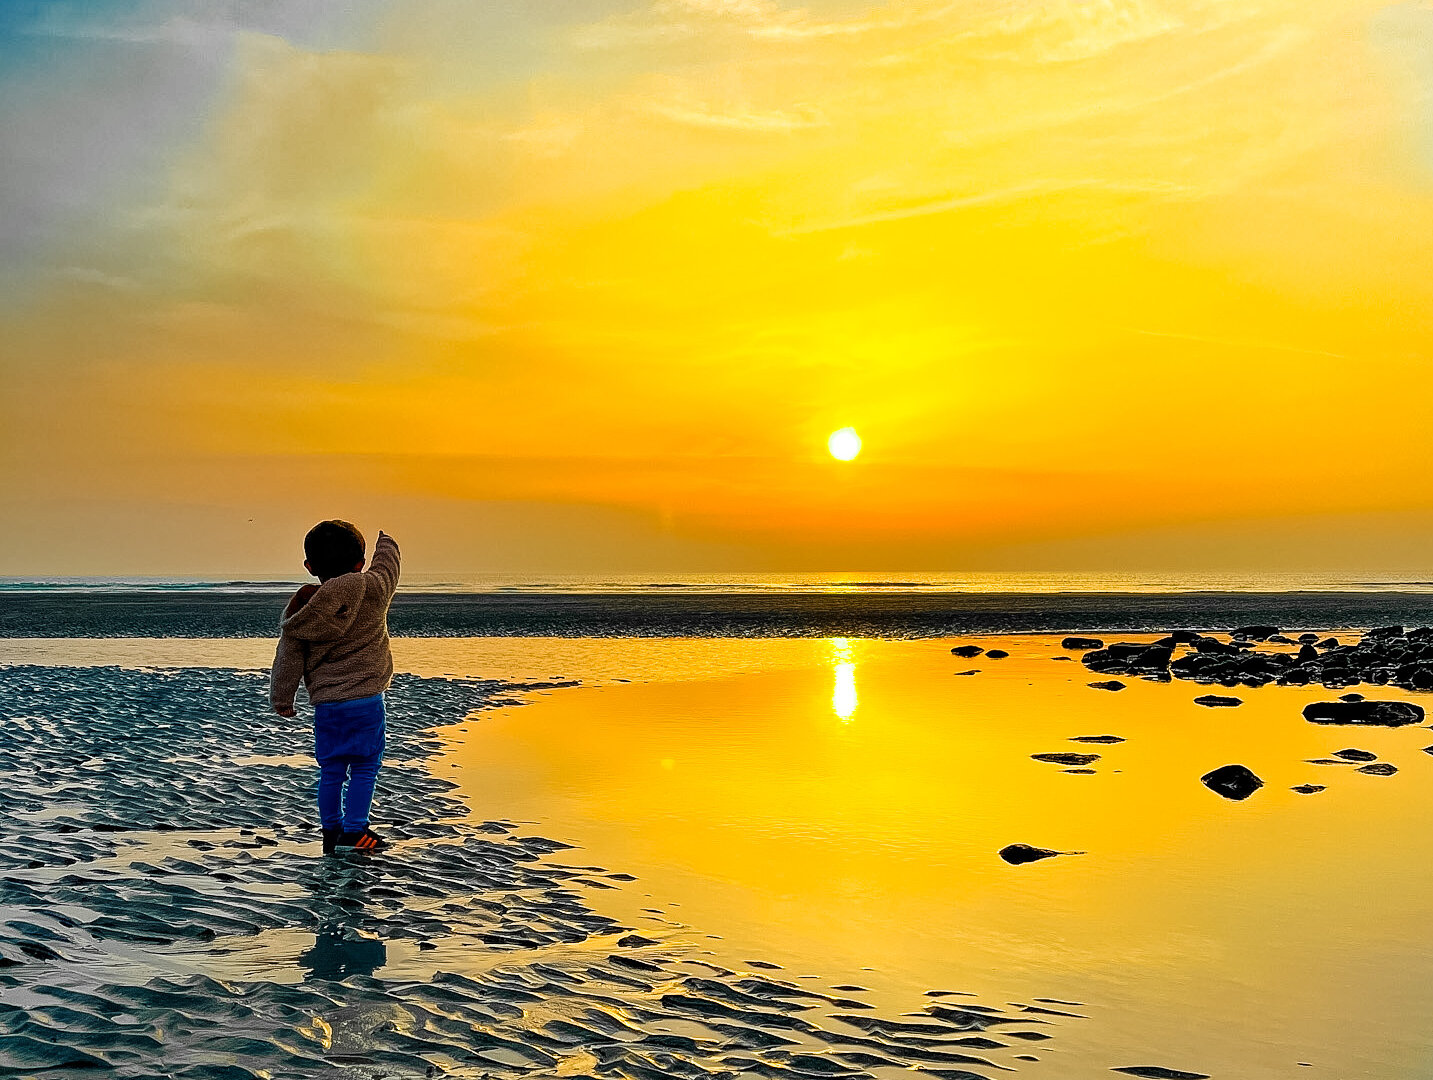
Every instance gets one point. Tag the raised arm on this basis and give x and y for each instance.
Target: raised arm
(384, 565)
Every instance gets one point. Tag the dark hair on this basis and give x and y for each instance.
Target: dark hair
(333, 547)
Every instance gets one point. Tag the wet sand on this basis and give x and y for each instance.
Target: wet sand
(164, 909)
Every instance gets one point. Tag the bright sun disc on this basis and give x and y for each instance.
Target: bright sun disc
(844, 444)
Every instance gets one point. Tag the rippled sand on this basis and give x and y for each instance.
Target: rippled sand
(164, 910)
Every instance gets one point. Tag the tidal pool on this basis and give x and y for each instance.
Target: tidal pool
(838, 806)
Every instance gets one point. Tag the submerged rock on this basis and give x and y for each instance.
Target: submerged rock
(997, 654)
(1066, 758)
(1308, 789)
(1116, 738)
(1381, 713)
(1381, 768)
(1216, 701)
(1016, 854)
(1235, 782)
(1108, 684)
(967, 651)
(1352, 753)
(1159, 1072)
(1082, 643)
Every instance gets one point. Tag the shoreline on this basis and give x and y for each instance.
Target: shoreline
(911, 615)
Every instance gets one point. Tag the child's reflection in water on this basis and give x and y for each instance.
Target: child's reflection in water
(342, 947)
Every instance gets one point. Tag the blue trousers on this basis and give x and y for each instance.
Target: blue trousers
(348, 739)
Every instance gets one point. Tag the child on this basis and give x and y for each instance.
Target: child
(334, 635)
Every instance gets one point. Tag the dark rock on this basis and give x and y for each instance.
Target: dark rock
(1350, 697)
(1379, 633)
(1116, 738)
(1354, 754)
(1308, 789)
(1329, 643)
(1128, 658)
(1428, 749)
(1108, 684)
(1016, 854)
(1066, 758)
(1307, 639)
(1280, 639)
(1159, 1072)
(1381, 713)
(1215, 701)
(634, 941)
(1236, 782)
(1185, 636)
(972, 671)
(1380, 768)
(1082, 643)
(997, 654)
(1214, 645)
(1258, 633)
(1082, 772)
(967, 651)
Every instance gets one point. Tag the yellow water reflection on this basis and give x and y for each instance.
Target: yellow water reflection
(843, 694)
(1231, 938)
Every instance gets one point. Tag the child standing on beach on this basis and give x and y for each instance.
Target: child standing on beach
(334, 636)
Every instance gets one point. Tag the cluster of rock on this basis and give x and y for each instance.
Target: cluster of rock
(1386, 655)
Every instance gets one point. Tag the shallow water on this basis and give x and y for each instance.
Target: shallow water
(836, 807)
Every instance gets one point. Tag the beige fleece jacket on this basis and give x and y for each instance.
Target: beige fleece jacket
(337, 643)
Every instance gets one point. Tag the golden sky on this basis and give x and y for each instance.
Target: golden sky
(583, 285)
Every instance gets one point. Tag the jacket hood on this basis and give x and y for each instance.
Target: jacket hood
(330, 611)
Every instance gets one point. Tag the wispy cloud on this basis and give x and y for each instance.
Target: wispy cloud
(1038, 189)
(771, 122)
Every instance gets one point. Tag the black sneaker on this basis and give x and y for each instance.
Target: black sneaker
(367, 840)
(330, 840)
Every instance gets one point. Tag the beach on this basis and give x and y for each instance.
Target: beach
(676, 855)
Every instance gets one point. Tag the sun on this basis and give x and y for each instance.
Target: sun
(844, 444)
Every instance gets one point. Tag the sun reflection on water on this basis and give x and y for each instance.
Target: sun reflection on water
(843, 694)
